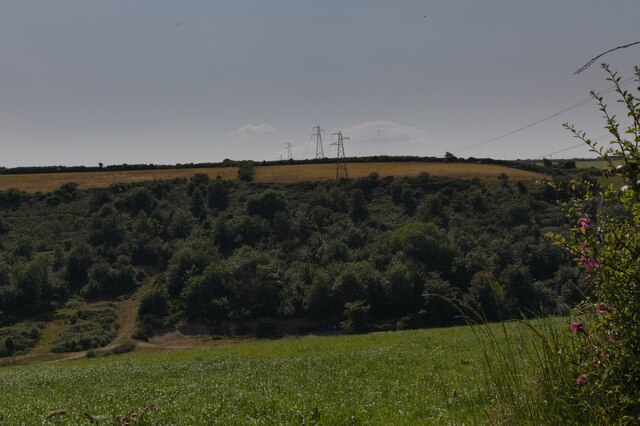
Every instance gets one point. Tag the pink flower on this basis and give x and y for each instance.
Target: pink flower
(582, 379)
(594, 362)
(583, 247)
(601, 309)
(577, 327)
(584, 224)
(590, 264)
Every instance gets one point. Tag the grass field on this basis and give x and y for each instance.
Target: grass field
(46, 182)
(616, 181)
(597, 164)
(585, 164)
(411, 377)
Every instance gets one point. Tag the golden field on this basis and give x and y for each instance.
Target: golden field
(46, 182)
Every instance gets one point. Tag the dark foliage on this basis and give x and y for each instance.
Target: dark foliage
(267, 204)
(18, 338)
(245, 171)
(218, 195)
(236, 252)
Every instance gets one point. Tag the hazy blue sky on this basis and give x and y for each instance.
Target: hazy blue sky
(158, 81)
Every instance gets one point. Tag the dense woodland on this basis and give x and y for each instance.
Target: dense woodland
(241, 258)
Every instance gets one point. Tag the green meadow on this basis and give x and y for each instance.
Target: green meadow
(405, 377)
(597, 164)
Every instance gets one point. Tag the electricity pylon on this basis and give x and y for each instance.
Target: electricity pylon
(289, 155)
(341, 162)
(317, 132)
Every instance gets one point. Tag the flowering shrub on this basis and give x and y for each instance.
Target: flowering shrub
(605, 243)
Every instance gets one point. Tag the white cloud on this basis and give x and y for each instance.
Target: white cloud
(385, 132)
(254, 129)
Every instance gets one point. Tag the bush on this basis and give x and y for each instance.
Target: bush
(106, 281)
(80, 259)
(184, 264)
(588, 373)
(199, 180)
(24, 248)
(357, 206)
(407, 198)
(124, 348)
(321, 215)
(396, 192)
(137, 200)
(181, 224)
(267, 204)
(425, 242)
(68, 188)
(153, 302)
(356, 317)
(217, 195)
(439, 295)
(606, 359)
(11, 198)
(18, 338)
(400, 288)
(146, 325)
(88, 328)
(33, 284)
(201, 290)
(198, 203)
(354, 282)
(245, 171)
(486, 295)
(54, 200)
(66, 192)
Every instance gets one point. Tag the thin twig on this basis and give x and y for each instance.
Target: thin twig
(592, 61)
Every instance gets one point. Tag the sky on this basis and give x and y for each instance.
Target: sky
(165, 82)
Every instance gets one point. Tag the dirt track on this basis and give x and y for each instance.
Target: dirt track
(127, 311)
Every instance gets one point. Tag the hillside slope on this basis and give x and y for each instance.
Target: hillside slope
(273, 259)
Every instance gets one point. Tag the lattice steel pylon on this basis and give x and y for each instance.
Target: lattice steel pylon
(289, 155)
(317, 133)
(341, 161)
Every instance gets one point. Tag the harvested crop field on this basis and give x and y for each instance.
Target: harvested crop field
(282, 174)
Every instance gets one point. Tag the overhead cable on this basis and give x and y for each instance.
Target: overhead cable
(555, 114)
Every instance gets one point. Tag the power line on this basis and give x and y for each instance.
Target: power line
(549, 117)
(551, 154)
(581, 144)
